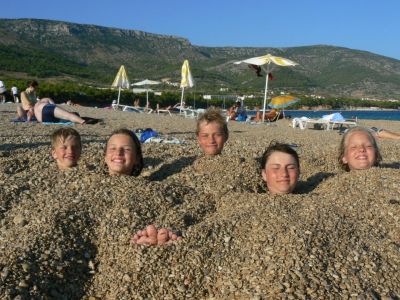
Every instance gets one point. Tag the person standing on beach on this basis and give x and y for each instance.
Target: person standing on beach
(28, 101)
(3, 91)
(14, 91)
(212, 132)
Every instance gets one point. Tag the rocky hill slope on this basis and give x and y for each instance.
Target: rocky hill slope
(93, 54)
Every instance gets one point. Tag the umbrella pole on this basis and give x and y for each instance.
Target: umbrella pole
(265, 93)
(119, 94)
(180, 108)
(147, 98)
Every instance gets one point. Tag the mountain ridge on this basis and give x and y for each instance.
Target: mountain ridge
(92, 54)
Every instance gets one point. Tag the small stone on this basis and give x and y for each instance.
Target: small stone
(19, 220)
(126, 278)
(25, 267)
(23, 284)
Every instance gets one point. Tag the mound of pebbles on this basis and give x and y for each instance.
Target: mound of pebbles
(66, 235)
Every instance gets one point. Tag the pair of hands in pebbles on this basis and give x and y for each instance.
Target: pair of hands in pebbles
(151, 236)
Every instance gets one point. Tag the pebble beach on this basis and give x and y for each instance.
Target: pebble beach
(66, 235)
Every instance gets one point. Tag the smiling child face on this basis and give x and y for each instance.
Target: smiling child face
(280, 173)
(120, 155)
(67, 153)
(211, 138)
(359, 152)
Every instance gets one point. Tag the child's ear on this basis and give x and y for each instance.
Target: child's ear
(344, 160)
(264, 175)
(53, 153)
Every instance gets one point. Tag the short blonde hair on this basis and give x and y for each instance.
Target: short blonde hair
(212, 115)
(344, 142)
(63, 134)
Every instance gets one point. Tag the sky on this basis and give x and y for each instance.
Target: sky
(368, 25)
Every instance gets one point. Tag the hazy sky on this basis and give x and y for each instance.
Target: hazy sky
(358, 24)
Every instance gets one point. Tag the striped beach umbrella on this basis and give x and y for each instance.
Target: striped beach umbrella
(267, 60)
(186, 81)
(121, 81)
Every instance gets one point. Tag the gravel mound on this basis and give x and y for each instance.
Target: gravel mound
(66, 235)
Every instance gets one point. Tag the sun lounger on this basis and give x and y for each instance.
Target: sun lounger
(340, 124)
(315, 122)
(163, 111)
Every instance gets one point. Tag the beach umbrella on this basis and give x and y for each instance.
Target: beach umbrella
(146, 83)
(121, 81)
(267, 60)
(186, 81)
(282, 101)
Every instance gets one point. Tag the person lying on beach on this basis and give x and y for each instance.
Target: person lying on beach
(151, 236)
(212, 132)
(358, 150)
(66, 147)
(47, 111)
(28, 100)
(280, 168)
(123, 154)
(382, 133)
(271, 115)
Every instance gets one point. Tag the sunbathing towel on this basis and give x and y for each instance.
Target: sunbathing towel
(334, 117)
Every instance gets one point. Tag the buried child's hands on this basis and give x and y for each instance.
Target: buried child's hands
(150, 236)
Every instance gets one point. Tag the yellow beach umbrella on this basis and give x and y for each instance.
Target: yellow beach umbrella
(283, 101)
(186, 81)
(267, 60)
(121, 81)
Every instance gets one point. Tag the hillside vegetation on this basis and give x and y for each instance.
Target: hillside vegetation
(61, 51)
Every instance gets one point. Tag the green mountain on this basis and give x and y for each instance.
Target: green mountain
(61, 51)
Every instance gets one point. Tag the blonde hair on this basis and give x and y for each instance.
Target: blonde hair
(63, 134)
(344, 143)
(212, 115)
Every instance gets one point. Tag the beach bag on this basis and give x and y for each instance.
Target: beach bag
(148, 133)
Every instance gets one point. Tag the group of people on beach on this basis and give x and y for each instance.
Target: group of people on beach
(4, 95)
(280, 164)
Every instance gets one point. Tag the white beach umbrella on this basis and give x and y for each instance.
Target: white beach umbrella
(121, 81)
(186, 81)
(146, 83)
(267, 60)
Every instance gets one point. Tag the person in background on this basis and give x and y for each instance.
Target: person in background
(47, 111)
(382, 133)
(3, 91)
(28, 101)
(14, 91)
